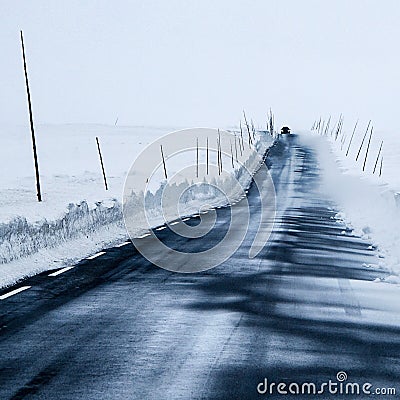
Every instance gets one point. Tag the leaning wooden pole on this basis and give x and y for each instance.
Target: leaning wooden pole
(366, 154)
(35, 157)
(377, 158)
(163, 160)
(362, 142)
(101, 163)
(351, 139)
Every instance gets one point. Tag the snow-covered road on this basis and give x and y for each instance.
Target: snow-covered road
(116, 327)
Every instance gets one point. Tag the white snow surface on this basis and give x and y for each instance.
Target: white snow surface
(77, 216)
(368, 203)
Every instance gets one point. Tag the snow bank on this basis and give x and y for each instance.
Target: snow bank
(366, 203)
(192, 198)
(77, 217)
(19, 238)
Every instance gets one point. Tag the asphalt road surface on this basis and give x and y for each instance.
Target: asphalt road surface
(117, 327)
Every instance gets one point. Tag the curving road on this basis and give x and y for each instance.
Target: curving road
(116, 327)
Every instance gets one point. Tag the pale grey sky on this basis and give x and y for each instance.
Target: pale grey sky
(198, 63)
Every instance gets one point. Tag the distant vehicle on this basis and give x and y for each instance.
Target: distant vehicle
(285, 130)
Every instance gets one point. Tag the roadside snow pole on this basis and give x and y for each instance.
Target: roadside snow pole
(343, 141)
(271, 123)
(197, 157)
(339, 127)
(351, 139)
(233, 165)
(163, 160)
(366, 154)
(219, 154)
(247, 126)
(327, 126)
(236, 152)
(365, 135)
(322, 127)
(241, 142)
(219, 169)
(207, 156)
(101, 163)
(377, 158)
(253, 130)
(35, 157)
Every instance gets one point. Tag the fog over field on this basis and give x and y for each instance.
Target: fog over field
(192, 63)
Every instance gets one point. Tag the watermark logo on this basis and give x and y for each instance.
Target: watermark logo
(341, 376)
(190, 172)
(339, 386)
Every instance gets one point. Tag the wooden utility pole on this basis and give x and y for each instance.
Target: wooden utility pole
(35, 157)
(163, 160)
(101, 163)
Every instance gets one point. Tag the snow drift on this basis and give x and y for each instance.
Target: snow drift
(366, 203)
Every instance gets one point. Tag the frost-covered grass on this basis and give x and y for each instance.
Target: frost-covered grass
(77, 216)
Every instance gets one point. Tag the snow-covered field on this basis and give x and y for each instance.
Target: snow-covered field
(369, 203)
(77, 216)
